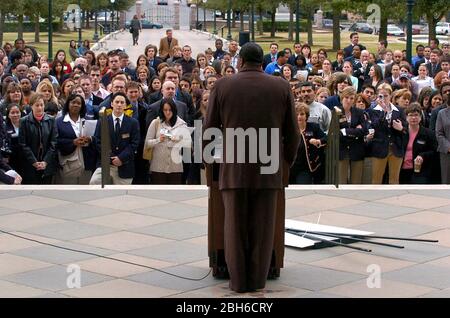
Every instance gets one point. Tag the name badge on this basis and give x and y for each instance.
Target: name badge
(421, 142)
(125, 136)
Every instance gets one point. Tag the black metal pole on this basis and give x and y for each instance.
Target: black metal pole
(229, 36)
(253, 21)
(79, 26)
(297, 21)
(315, 237)
(112, 19)
(349, 237)
(376, 236)
(50, 30)
(204, 18)
(410, 5)
(196, 25)
(95, 22)
(215, 23)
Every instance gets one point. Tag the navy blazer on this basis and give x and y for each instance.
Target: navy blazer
(64, 143)
(180, 96)
(351, 146)
(332, 101)
(125, 148)
(153, 112)
(267, 60)
(425, 145)
(385, 134)
(348, 50)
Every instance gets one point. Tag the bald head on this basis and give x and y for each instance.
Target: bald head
(398, 56)
(168, 89)
(365, 55)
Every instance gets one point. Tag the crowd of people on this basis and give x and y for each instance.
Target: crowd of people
(394, 116)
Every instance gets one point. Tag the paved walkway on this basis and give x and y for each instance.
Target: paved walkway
(198, 41)
(167, 229)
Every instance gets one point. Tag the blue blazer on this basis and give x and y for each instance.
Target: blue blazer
(385, 135)
(64, 143)
(125, 147)
(352, 144)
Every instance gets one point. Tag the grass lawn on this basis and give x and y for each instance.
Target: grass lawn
(322, 40)
(60, 40)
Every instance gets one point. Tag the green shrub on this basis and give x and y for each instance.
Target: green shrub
(29, 26)
(281, 26)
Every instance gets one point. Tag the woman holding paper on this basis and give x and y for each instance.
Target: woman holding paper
(167, 134)
(76, 153)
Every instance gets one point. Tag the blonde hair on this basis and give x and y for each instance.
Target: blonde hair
(323, 90)
(301, 108)
(404, 92)
(348, 91)
(386, 87)
(46, 84)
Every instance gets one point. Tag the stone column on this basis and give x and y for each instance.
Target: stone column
(176, 15)
(193, 19)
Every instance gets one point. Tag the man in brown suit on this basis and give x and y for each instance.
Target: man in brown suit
(256, 102)
(166, 45)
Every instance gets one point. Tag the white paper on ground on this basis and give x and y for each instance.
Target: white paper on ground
(303, 242)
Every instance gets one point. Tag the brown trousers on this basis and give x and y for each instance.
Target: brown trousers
(379, 167)
(356, 171)
(249, 236)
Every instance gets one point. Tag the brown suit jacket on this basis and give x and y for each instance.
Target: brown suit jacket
(253, 99)
(165, 50)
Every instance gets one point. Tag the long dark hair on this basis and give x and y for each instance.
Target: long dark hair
(71, 97)
(300, 57)
(53, 70)
(8, 110)
(65, 56)
(173, 108)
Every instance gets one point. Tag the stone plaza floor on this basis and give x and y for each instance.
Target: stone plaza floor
(166, 228)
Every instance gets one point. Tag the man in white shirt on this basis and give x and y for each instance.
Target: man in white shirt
(97, 89)
(318, 113)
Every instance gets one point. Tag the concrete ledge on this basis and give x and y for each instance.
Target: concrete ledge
(204, 187)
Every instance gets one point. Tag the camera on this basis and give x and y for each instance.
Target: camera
(381, 97)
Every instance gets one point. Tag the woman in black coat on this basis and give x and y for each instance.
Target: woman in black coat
(37, 138)
(70, 139)
(13, 151)
(353, 128)
(420, 147)
(308, 160)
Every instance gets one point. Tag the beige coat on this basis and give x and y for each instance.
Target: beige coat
(166, 156)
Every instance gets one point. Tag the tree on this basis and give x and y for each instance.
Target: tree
(337, 6)
(433, 11)
(309, 7)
